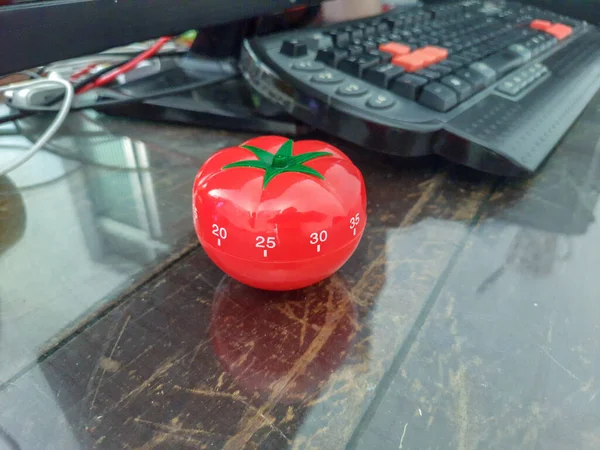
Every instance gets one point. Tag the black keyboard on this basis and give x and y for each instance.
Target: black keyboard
(492, 85)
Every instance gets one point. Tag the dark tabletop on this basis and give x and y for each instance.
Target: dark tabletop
(468, 318)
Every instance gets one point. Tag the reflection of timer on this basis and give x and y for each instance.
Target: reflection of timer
(299, 338)
(277, 214)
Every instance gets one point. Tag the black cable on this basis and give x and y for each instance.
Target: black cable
(141, 98)
(89, 79)
(134, 54)
(84, 82)
(155, 94)
(16, 116)
(93, 77)
(28, 112)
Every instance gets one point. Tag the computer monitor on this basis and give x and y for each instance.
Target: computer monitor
(38, 32)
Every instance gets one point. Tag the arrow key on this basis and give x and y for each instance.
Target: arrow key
(458, 85)
(438, 97)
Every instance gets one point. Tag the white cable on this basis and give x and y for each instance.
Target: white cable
(52, 129)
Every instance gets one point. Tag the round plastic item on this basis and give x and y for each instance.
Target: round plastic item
(277, 214)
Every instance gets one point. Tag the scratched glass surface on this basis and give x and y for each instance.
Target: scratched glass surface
(467, 318)
(84, 220)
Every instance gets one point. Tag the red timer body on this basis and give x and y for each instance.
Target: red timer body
(279, 215)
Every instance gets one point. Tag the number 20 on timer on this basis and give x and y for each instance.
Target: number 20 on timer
(277, 214)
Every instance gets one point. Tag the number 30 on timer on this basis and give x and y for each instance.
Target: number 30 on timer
(318, 238)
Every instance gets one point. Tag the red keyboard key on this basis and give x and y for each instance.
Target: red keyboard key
(560, 31)
(541, 25)
(438, 53)
(428, 58)
(395, 48)
(410, 63)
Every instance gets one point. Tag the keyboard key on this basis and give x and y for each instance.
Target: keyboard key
(405, 33)
(522, 51)
(383, 56)
(548, 42)
(509, 87)
(411, 62)
(352, 90)
(383, 75)
(382, 28)
(356, 34)
(456, 48)
(458, 60)
(488, 74)
(474, 55)
(535, 46)
(431, 75)
(541, 25)
(559, 31)
(368, 30)
(355, 50)
(356, 65)
(439, 53)
(308, 66)
(395, 49)
(475, 79)
(369, 44)
(332, 57)
(442, 69)
(381, 101)
(294, 48)
(318, 41)
(438, 97)
(503, 62)
(327, 77)
(340, 38)
(392, 22)
(458, 85)
(393, 37)
(408, 86)
(428, 56)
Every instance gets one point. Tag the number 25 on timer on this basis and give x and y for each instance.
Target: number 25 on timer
(265, 243)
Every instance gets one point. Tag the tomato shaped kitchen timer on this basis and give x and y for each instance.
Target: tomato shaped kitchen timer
(277, 214)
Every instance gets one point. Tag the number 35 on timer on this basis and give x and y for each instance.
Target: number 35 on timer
(277, 214)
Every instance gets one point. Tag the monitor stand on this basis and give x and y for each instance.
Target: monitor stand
(226, 103)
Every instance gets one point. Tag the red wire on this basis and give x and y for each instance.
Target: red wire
(111, 76)
(82, 72)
